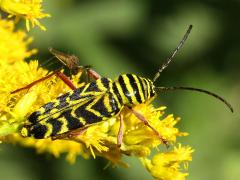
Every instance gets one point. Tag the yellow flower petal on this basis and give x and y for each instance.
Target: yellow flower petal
(13, 46)
(30, 10)
(167, 166)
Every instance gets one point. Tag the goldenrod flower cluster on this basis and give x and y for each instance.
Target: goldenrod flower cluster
(100, 139)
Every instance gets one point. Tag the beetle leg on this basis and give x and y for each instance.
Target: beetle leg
(35, 82)
(66, 80)
(142, 118)
(59, 74)
(93, 74)
(120, 131)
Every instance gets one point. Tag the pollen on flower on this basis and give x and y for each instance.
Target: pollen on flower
(13, 46)
(30, 10)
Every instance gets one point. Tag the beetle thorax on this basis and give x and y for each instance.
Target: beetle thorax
(132, 89)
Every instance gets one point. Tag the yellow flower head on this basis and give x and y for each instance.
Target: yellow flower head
(30, 10)
(13, 46)
(99, 139)
(167, 166)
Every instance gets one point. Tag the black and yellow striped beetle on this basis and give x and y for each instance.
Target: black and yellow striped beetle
(97, 101)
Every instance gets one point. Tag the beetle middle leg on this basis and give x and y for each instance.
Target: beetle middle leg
(142, 118)
(120, 131)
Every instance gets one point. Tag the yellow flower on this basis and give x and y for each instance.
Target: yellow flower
(99, 139)
(30, 10)
(13, 46)
(15, 107)
(167, 166)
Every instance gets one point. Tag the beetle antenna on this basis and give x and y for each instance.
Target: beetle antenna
(163, 89)
(170, 58)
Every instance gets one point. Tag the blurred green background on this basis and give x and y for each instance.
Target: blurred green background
(122, 36)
